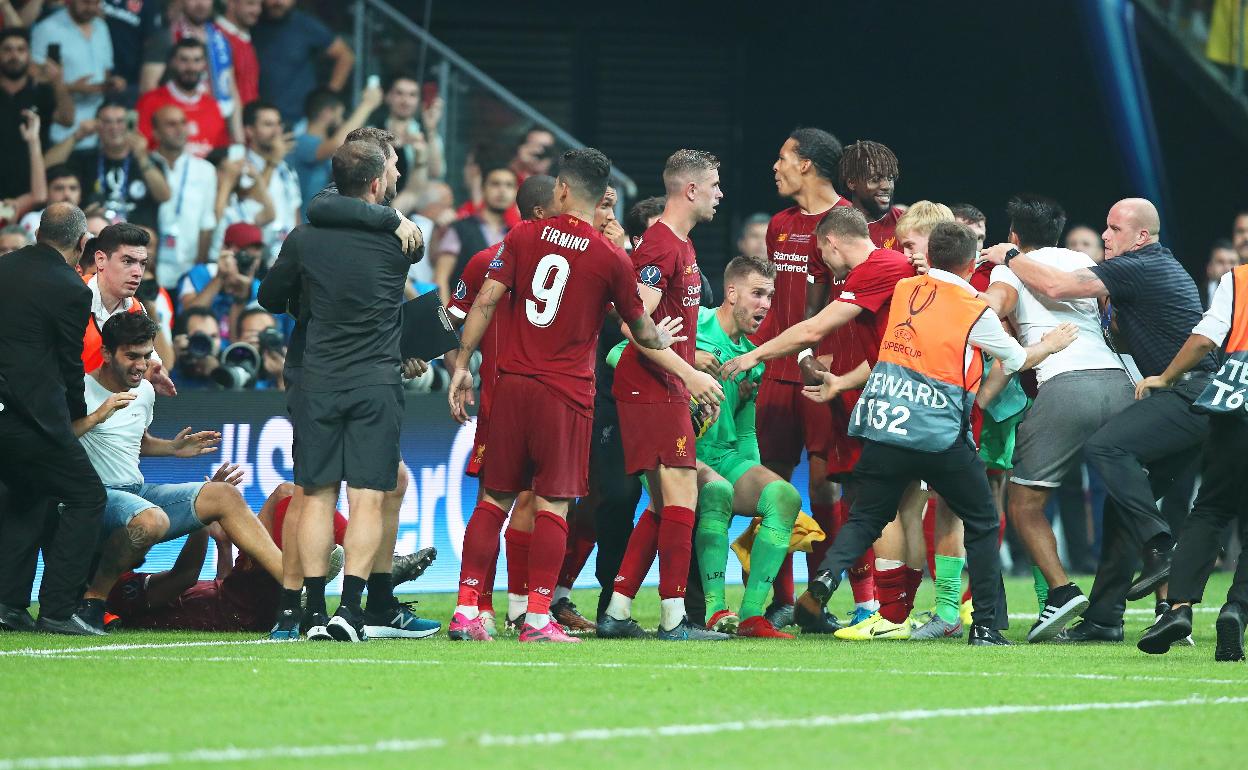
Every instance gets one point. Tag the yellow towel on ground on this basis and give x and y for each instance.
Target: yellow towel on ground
(806, 532)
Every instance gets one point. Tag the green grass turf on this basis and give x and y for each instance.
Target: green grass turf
(467, 698)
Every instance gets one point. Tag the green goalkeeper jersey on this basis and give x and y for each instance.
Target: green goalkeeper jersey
(734, 430)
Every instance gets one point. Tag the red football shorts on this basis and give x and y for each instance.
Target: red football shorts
(477, 460)
(656, 434)
(787, 422)
(537, 441)
(843, 450)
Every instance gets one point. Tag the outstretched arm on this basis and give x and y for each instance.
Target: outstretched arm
(1049, 281)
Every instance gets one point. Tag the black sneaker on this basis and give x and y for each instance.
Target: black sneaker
(611, 628)
(71, 626)
(15, 619)
(688, 632)
(1156, 571)
(412, 565)
(286, 629)
(821, 622)
(1171, 626)
(1064, 603)
(92, 611)
(779, 615)
(347, 625)
(1230, 628)
(983, 636)
(1090, 631)
(513, 625)
(316, 627)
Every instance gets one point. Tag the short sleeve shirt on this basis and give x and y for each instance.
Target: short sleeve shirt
(288, 51)
(113, 446)
(870, 286)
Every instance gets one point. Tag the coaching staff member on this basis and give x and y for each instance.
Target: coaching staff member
(914, 418)
(44, 306)
(1154, 304)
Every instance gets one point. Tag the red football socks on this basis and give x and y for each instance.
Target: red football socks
(914, 578)
(480, 551)
(890, 586)
(675, 547)
(862, 578)
(783, 584)
(643, 546)
(550, 538)
(517, 561)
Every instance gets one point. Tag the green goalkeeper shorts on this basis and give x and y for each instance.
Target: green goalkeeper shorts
(728, 463)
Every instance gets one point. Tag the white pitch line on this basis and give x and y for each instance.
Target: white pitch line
(1130, 612)
(662, 667)
(231, 754)
(59, 652)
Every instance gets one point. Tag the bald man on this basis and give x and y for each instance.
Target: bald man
(188, 218)
(1153, 303)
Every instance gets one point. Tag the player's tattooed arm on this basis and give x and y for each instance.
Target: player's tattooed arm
(459, 394)
(1047, 280)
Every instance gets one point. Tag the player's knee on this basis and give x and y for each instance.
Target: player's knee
(284, 490)
(781, 500)
(716, 498)
(218, 499)
(147, 528)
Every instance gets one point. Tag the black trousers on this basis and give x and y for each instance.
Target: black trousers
(956, 474)
(617, 495)
(1222, 499)
(1139, 454)
(34, 465)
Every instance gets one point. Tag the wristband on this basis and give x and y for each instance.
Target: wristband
(804, 353)
(1011, 254)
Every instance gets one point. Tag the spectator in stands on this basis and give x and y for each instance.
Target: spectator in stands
(188, 90)
(95, 225)
(1222, 260)
(63, 187)
(1239, 236)
(188, 219)
(261, 189)
(973, 218)
(36, 189)
(19, 13)
(469, 235)
(12, 238)
(236, 24)
(415, 129)
(195, 21)
(198, 343)
(82, 42)
(1085, 239)
(118, 175)
(752, 240)
(289, 43)
(251, 324)
(24, 86)
(131, 23)
(534, 153)
(325, 132)
(229, 285)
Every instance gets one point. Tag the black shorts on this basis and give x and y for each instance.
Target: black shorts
(348, 435)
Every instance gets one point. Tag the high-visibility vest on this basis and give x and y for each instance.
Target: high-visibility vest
(919, 395)
(93, 343)
(1227, 392)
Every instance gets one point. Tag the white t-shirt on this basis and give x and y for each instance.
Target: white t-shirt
(114, 444)
(191, 210)
(1037, 315)
(1216, 322)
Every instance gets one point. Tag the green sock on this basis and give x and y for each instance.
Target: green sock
(948, 586)
(1042, 586)
(710, 538)
(778, 504)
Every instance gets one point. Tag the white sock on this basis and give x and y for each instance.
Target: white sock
(671, 612)
(562, 593)
(871, 606)
(883, 564)
(537, 621)
(469, 612)
(620, 607)
(516, 605)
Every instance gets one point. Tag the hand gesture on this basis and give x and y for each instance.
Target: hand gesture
(227, 266)
(669, 331)
(137, 142)
(113, 404)
(50, 72)
(30, 127)
(86, 128)
(828, 388)
(996, 254)
(411, 238)
(229, 473)
(812, 370)
(614, 232)
(274, 363)
(705, 388)
(1150, 383)
(413, 368)
(281, 147)
(1060, 337)
(431, 115)
(187, 444)
(918, 261)
(159, 378)
(735, 366)
(705, 361)
(460, 395)
(372, 98)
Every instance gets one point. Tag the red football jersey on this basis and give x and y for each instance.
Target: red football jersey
(981, 279)
(205, 128)
(666, 263)
(870, 286)
(461, 302)
(246, 63)
(792, 247)
(884, 230)
(563, 277)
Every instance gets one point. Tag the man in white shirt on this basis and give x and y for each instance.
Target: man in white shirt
(267, 148)
(86, 58)
(188, 219)
(120, 408)
(1081, 388)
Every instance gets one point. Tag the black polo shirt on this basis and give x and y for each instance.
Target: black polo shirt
(15, 160)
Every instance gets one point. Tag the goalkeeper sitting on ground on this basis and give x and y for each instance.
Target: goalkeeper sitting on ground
(731, 480)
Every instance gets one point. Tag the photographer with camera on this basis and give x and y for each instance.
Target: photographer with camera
(256, 359)
(198, 343)
(229, 285)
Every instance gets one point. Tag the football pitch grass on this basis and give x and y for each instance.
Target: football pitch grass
(144, 699)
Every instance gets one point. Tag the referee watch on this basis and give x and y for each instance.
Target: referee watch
(1011, 254)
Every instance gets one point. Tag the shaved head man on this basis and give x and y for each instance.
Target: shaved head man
(1131, 224)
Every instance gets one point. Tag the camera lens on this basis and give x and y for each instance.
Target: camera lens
(271, 340)
(198, 345)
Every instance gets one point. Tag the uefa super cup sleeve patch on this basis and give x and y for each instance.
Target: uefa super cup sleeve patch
(651, 275)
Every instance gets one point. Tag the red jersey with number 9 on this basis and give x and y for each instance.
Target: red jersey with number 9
(563, 276)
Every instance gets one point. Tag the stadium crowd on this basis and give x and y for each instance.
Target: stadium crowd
(204, 184)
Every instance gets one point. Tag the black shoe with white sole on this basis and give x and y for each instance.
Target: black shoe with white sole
(347, 625)
(316, 627)
(1173, 626)
(1156, 570)
(1064, 604)
(1230, 628)
(983, 636)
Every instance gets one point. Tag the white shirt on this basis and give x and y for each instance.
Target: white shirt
(422, 271)
(190, 210)
(1038, 315)
(284, 191)
(81, 56)
(113, 446)
(98, 310)
(1216, 322)
(987, 334)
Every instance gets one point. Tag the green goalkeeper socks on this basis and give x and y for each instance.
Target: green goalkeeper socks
(710, 538)
(779, 505)
(949, 586)
(1042, 586)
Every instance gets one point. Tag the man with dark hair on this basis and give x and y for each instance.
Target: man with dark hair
(534, 153)
(114, 432)
(562, 274)
(1222, 260)
(414, 124)
(914, 413)
(1239, 236)
(63, 187)
(86, 59)
(806, 171)
(640, 217)
(1080, 389)
(265, 166)
(189, 91)
(485, 228)
(326, 131)
(236, 23)
(289, 43)
(43, 308)
(198, 342)
(752, 240)
(652, 390)
(196, 22)
(42, 92)
(973, 218)
(868, 173)
(1141, 450)
(1087, 240)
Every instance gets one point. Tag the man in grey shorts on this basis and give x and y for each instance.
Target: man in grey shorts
(1081, 388)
